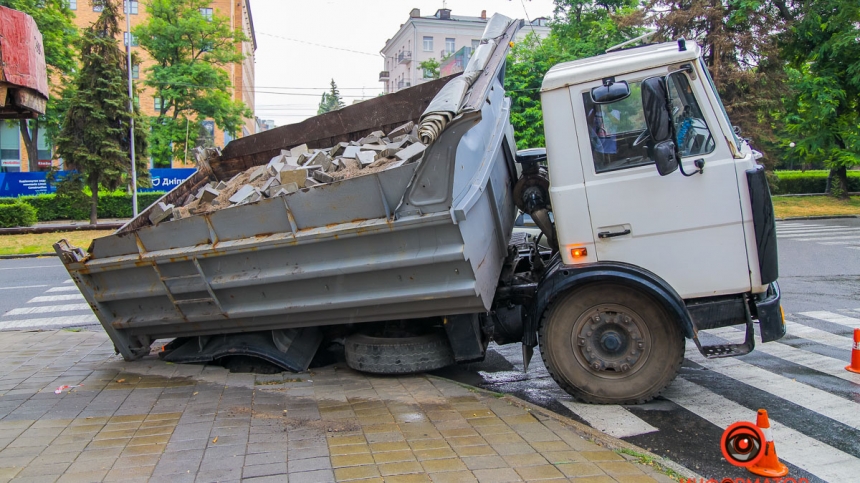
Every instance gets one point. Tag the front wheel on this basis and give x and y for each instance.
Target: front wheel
(610, 344)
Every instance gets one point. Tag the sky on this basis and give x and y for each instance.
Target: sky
(303, 44)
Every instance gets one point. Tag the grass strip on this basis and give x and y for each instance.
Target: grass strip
(44, 242)
(791, 206)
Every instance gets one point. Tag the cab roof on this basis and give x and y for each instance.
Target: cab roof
(618, 63)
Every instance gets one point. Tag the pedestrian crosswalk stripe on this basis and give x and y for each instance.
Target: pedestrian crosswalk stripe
(807, 233)
(822, 402)
(67, 321)
(55, 298)
(829, 238)
(46, 309)
(62, 289)
(815, 229)
(69, 281)
(846, 242)
(817, 362)
(849, 322)
(613, 420)
(820, 459)
(817, 335)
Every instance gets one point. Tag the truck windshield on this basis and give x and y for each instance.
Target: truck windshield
(719, 101)
(693, 136)
(613, 129)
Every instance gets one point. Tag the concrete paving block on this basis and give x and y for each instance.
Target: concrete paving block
(371, 139)
(411, 153)
(298, 150)
(269, 183)
(189, 199)
(320, 158)
(221, 185)
(277, 159)
(337, 149)
(293, 176)
(160, 212)
(257, 173)
(351, 152)
(366, 158)
(274, 169)
(243, 194)
(208, 194)
(378, 134)
(395, 165)
(401, 130)
(255, 197)
(291, 187)
(399, 138)
(274, 191)
(291, 163)
(322, 177)
(310, 183)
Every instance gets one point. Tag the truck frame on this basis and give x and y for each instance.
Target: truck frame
(415, 268)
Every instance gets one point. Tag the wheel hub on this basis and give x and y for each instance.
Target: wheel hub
(610, 339)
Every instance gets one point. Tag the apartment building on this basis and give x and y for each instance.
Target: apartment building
(13, 155)
(448, 38)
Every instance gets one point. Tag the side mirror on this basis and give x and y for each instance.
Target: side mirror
(610, 92)
(658, 119)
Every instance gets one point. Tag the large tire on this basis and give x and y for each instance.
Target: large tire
(398, 355)
(610, 344)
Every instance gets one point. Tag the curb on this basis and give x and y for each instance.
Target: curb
(27, 230)
(586, 432)
(27, 255)
(823, 217)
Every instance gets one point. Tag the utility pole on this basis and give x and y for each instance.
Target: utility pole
(127, 9)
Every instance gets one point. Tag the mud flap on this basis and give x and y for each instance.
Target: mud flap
(291, 349)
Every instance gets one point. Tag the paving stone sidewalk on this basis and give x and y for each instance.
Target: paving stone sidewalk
(154, 421)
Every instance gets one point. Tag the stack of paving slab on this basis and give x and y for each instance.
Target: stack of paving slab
(299, 168)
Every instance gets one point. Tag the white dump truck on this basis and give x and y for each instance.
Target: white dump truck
(656, 223)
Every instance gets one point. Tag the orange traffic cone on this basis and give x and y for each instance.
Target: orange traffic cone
(855, 353)
(769, 464)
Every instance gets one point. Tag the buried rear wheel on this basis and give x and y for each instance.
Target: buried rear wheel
(398, 355)
(610, 344)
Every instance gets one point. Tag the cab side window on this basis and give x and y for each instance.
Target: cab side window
(615, 131)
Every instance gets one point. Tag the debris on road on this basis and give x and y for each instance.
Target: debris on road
(64, 387)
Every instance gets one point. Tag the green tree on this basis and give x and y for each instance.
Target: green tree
(94, 138)
(54, 20)
(585, 28)
(823, 108)
(191, 51)
(429, 68)
(331, 100)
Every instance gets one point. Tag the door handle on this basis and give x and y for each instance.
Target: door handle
(611, 234)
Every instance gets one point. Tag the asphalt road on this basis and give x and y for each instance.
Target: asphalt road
(800, 380)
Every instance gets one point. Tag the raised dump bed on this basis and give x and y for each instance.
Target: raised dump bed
(420, 240)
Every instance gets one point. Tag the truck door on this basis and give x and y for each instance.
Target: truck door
(687, 230)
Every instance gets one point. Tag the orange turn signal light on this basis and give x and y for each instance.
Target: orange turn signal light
(578, 252)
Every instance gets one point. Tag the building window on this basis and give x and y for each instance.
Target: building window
(157, 103)
(428, 44)
(475, 44)
(134, 6)
(133, 39)
(10, 147)
(449, 46)
(44, 149)
(73, 4)
(98, 8)
(207, 13)
(135, 71)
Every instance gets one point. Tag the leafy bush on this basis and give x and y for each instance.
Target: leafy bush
(111, 205)
(16, 214)
(809, 182)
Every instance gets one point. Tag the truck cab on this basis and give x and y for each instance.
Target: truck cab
(660, 211)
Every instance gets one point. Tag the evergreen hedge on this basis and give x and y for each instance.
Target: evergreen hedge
(111, 205)
(16, 214)
(810, 182)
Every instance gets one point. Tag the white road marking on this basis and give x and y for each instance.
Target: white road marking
(817, 335)
(47, 309)
(70, 280)
(67, 321)
(63, 289)
(828, 238)
(613, 420)
(55, 298)
(814, 228)
(821, 402)
(820, 459)
(850, 322)
(817, 362)
(33, 266)
(806, 233)
(23, 286)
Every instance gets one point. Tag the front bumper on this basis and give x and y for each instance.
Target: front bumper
(769, 314)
